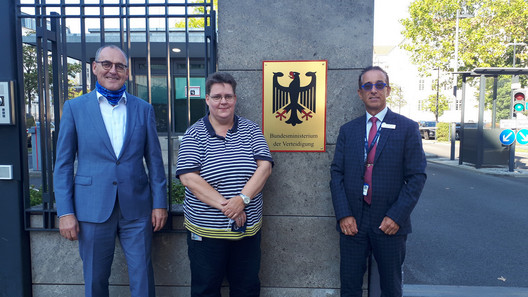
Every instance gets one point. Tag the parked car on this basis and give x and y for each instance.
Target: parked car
(427, 129)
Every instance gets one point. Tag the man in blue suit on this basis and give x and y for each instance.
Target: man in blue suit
(377, 176)
(112, 135)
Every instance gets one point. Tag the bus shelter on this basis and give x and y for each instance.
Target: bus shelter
(480, 146)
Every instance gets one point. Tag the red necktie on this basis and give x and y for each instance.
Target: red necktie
(370, 159)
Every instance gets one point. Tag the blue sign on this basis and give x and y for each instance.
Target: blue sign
(522, 136)
(507, 137)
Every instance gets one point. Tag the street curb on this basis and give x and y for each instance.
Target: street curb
(462, 291)
(496, 171)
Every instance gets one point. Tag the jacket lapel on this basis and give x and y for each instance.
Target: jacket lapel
(384, 133)
(132, 113)
(360, 138)
(94, 112)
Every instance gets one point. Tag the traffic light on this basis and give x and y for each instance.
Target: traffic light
(520, 106)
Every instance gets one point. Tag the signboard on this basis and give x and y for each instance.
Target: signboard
(194, 91)
(522, 136)
(507, 136)
(514, 124)
(294, 105)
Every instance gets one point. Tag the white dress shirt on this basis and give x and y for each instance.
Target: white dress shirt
(115, 119)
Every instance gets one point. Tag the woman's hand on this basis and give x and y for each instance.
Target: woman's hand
(233, 207)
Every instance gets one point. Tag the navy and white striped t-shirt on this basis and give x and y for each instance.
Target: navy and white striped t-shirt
(226, 164)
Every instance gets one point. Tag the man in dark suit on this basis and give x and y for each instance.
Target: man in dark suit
(377, 176)
(112, 134)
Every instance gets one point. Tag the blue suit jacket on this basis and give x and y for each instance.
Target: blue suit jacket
(398, 174)
(90, 192)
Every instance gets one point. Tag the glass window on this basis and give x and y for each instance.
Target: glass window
(197, 102)
(159, 98)
(180, 106)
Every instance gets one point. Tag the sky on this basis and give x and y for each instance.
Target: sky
(386, 26)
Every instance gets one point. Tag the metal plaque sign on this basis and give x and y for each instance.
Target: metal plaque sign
(294, 105)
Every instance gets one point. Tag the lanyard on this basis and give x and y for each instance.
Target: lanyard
(373, 143)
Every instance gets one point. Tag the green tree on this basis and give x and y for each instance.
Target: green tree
(483, 38)
(196, 22)
(31, 74)
(396, 99)
(430, 104)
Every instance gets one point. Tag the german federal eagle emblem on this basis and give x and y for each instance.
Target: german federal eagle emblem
(294, 100)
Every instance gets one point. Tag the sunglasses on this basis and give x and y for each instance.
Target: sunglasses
(379, 86)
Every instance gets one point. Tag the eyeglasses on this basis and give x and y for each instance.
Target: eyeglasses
(379, 86)
(218, 98)
(107, 65)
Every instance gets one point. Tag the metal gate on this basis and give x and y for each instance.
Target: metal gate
(171, 47)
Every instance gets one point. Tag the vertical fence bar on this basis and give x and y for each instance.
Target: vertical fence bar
(43, 91)
(83, 47)
(20, 90)
(129, 44)
(101, 22)
(57, 94)
(188, 62)
(147, 48)
(170, 146)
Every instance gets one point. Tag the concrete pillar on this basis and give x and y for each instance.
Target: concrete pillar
(300, 249)
(15, 270)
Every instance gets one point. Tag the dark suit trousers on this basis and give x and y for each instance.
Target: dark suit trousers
(389, 252)
(97, 244)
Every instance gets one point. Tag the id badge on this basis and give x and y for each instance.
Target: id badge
(365, 189)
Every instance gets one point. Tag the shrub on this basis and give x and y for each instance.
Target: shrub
(35, 195)
(442, 132)
(177, 192)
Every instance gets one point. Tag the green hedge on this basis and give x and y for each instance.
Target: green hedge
(442, 132)
(178, 192)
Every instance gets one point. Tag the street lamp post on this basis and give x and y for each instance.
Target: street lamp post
(455, 66)
(515, 43)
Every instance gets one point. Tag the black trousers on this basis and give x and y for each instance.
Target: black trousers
(213, 259)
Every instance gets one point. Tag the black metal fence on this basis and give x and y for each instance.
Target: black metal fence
(171, 47)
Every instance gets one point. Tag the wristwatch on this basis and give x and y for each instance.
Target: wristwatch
(245, 198)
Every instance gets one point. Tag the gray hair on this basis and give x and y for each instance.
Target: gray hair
(98, 53)
(369, 68)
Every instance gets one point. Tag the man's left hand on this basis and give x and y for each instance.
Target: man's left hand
(159, 218)
(388, 226)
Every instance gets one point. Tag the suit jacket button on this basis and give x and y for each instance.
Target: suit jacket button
(117, 163)
(114, 183)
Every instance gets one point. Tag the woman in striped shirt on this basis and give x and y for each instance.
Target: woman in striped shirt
(224, 162)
